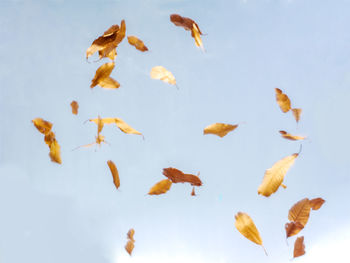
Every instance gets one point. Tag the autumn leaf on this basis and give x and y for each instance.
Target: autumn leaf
(49, 138)
(193, 193)
(300, 212)
(316, 203)
(219, 129)
(274, 176)
(102, 78)
(114, 172)
(124, 127)
(163, 74)
(282, 100)
(177, 176)
(129, 247)
(160, 188)
(247, 228)
(55, 152)
(130, 234)
(43, 126)
(299, 247)
(291, 137)
(137, 43)
(197, 37)
(99, 139)
(296, 114)
(293, 228)
(185, 22)
(75, 107)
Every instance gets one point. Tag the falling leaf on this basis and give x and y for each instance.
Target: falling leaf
(219, 129)
(137, 43)
(299, 247)
(102, 77)
(247, 228)
(193, 193)
(197, 37)
(75, 107)
(316, 203)
(55, 153)
(160, 188)
(293, 228)
(282, 100)
(274, 176)
(291, 137)
(43, 126)
(185, 22)
(177, 176)
(296, 114)
(161, 73)
(114, 172)
(130, 234)
(49, 138)
(124, 127)
(300, 212)
(130, 244)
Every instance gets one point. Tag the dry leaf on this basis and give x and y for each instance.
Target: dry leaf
(130, 234)
(124, 127)
(197, 36)
(55, 153)
(49, 138)
(110, 47)
(274, 176)
(291, 137)
(75, 107)
(102, 77)
(219, 129)
(137, 43)
(282, 100)
(114, 172)
(43, 126)
(161, 73)
(300, 212)
(177, 176)
(247, 228)
(296, 114)
(299, 247)
(160, 188)
(109, 83)
(185, 22)
(316, 203)
(293, 228)
(193, 193)
(129, 247)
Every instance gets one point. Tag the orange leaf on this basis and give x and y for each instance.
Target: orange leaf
(114, 172)
(161, 187)
(291, 137)
(299, 247)
(293, 228)
(177, 176)
(219, 129)
(300, 212)
(75, 107)
(316, 203)
(283, 100)
(43, 126)
(137, 43)
(296, 114)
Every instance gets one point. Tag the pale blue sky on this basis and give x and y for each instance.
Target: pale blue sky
(73, 213)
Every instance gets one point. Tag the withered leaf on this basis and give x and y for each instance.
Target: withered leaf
(49, 138)
(102, 77)
(177, 176)
(75, 107)
(300, 212)
(274, 176)
(98, 140)
(296, 114)
(160, 188)
(197, 37)
(316, 203)
(299, 247)
(55, 152)
(124, 127)
(291, 137)
(130, 234)
(43, 126)
(129, 247)
(282, 100)
(109, 49)
(159, 72)
(219, 129)
(114, 172)
(137, 43)
(247, 228)
(293, 228)
(185, 22)
(193, 193)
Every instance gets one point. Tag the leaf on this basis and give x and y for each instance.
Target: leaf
(219, 129)
(300, 211)
(247, 228)
(274, 176)
(316, 203)
(282, 100)
(130, 234)
(137, 43)
(293, 228)
(193, 193)
(291, 137)
(49, 138)
(111, 46)
(129, 247)
(75, 107)
(160, 188)
(185, 22)
(124, 127)
(55, 152)
(163, 74)
(296, 114)
(114, 172)
(43, 126)
(109, 83)
(197, 37)
(299, 247)
(177, 176)
(102, 77)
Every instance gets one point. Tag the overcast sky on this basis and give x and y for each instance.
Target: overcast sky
(73, 213)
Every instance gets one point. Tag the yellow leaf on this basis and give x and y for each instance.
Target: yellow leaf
(109, 83)
(124, 127)
(296, 114)
(137, 43)
(160, 187)
(43, 126)
(75, 107)
(274, 176)
(282, 100)
(55, 153)
(114, 172)
(291, 137)
(300, 212)
(299, 247)
(247, 228)
(219, 129)
(102, 77)
(49, 138)
(197, 37)
(163, 74)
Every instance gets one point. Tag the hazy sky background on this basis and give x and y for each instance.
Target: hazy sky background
(73, 213)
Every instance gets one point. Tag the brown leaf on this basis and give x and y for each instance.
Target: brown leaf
(219, 129)
(114, 172)
(293, 228)
(55, 152)
(49, 138)
(109, 47)
(130, 234)
(160, 188)
(300, 212)
(296, 114)
(43, 126)
(185, 22)
(163, 74)
(316, 203)
(102, 77)
(282, 100)
(177, 176)
(274, 176)
(193, 193)
(137, 43)
(299, 247)
(291, 137)
(75, 107)
(129, 247)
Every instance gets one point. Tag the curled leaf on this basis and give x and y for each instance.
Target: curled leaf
(296, 114)
(185, 22)
(75, 107)
(274, 176)
(282, 100)
(316, 203)
(137, 43)
(177, 176)
(160, 188)
(163, 74)
(219, 129)
(114, 172)
(299, 247)
(130, 234)
(300, 212)
(43, 126)
(102, 77)
(55, 152)
(197, 36)
(293, 228)
(291, 137)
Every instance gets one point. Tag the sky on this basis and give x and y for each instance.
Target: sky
(73, 213)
